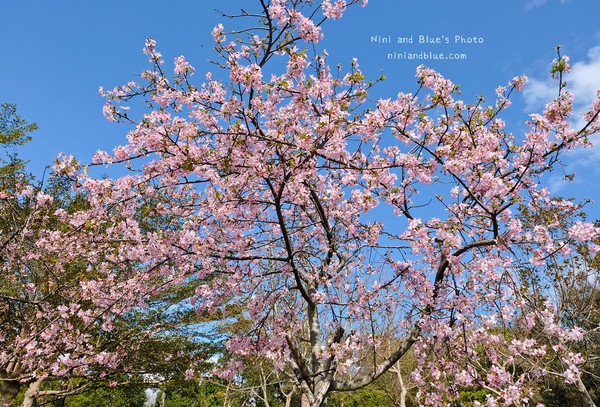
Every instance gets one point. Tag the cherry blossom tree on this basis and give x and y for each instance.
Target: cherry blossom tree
(68, 325)
(331, 220)
(570, 284)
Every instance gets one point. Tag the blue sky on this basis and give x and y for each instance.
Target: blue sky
(55, 56)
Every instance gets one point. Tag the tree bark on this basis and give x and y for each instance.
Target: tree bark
(586, 396)
(304, 400)
(31, 393)
(264, 387)
(403, 390)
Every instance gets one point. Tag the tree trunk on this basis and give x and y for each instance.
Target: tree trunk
(586, 396)
(265, 395)
(304, 400)
(317, 402)
(10, 389)
(403, 390)
(321, 390)
(31, 393)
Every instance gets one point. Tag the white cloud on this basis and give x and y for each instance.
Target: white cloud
(538, 3)
(539, 92)
(534, 3)
(583, 81)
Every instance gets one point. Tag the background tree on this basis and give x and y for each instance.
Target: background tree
(66, 325)
(14, 131)
(571, 283)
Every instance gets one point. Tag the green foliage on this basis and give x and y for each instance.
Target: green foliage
(556, 393)
(367, 397)
(469, 396)
(192, 394)
(14, 131)
(107, 396)
(130, 396)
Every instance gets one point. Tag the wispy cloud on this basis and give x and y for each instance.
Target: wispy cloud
(538, 3)
(539, 92)
(583, 81)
